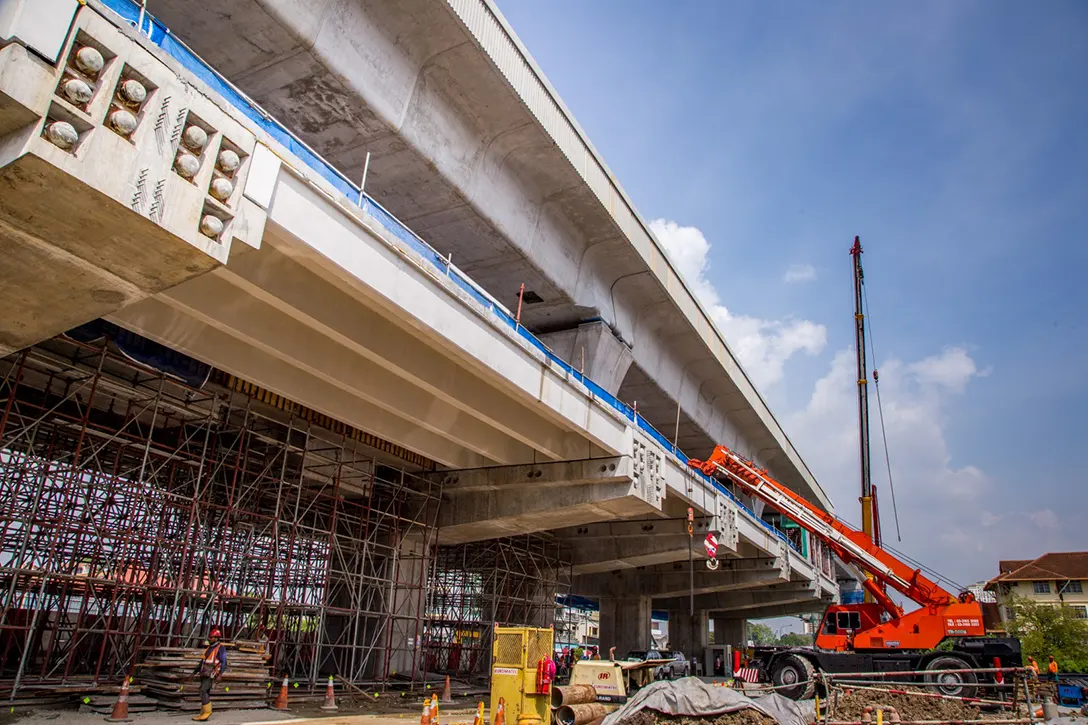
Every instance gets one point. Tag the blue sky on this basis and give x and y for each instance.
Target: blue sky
(953, 137)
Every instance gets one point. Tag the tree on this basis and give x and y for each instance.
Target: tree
(1046, 630)
(794, 639)
(760, 633)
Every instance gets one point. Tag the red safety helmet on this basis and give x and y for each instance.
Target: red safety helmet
(215, 632)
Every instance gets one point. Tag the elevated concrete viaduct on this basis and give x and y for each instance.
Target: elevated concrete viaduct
(221, 246)
(471, 146)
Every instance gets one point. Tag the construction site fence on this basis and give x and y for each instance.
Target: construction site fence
(832, 676)
(131, 12)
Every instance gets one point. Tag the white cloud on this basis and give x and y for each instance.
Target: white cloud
(762, 346)
(951, 370)
(799, 273)
(946, 508)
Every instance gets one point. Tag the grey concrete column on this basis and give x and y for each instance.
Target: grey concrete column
(686, 638)
(606, 357)
(410, 567)
(731, 631)
(625, 625)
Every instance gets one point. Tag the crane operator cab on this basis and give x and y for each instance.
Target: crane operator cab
(843, 621)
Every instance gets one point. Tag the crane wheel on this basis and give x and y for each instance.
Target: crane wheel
(961, 684)
(793, 676)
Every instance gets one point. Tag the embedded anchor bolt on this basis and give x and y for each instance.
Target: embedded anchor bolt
(221, 189)
(123, 121)
(89, 60)
(194, 137)
(228, 161)
(77, 91)
(187, 165)
(132, 92)
(211, 226)
(61, 134)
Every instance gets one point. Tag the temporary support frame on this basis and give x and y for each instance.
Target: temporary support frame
(484, 584)
(137, 510)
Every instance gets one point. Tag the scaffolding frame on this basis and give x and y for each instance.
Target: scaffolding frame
(137, 511)
(479, 586)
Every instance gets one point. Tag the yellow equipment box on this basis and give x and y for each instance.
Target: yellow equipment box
(516, 654)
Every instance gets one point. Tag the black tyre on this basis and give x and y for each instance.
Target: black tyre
(793, 676)
(957, 684)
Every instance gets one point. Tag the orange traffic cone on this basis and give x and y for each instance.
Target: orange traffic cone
(425, 718)
(500, 713)
(434, 709)
(280, 702)
(446, 696)
(330, 697)
(479, 720)
(120, 708)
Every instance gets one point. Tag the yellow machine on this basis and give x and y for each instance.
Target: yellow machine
(516, 656)
(614, 681)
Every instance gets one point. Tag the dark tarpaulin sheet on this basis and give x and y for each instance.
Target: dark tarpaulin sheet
(692, 697)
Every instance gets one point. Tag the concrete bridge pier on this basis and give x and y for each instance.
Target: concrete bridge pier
(625, 624)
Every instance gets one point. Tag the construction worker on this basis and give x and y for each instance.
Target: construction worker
(210, 668)
(1033, 667)
(1052, 669)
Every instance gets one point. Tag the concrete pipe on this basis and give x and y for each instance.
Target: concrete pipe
(573, 695)
(581, 714)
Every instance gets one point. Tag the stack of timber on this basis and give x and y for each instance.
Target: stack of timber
(167, 675)
(102, 703)
(75, 689)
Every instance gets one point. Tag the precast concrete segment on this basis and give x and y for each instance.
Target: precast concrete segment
(183, 331)
(674, 580)
(508, 500)
(409, 291)
(326, 305)
(470, 146)
(789, 593)
(289, 305)
(630, 544)
(103, 219)
(245, 316)
(493, 514)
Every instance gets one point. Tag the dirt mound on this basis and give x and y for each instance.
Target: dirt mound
(910, 707)
(740, 717)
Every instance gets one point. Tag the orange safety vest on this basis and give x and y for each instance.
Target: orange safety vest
(1052, 668)
(210, 666)
(1033, 667)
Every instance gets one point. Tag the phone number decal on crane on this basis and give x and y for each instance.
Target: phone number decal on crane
(962, 622)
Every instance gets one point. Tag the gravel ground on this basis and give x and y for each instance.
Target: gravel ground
(741, 717)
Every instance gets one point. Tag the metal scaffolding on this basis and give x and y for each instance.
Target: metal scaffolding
(137, 510)
(477, 586)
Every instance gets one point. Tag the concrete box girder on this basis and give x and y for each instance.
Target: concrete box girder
(730, 602)
(673, 580)
(506, 500)
(472, 147)
(86, 230)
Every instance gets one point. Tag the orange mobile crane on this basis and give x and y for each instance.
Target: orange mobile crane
(876, 635)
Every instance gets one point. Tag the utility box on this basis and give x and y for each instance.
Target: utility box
(516, 651)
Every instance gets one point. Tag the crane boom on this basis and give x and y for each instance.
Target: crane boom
(941, 613)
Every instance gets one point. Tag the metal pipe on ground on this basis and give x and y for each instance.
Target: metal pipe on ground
(573, 695)
(582, 714)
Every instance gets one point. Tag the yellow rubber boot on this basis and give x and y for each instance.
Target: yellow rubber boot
(205, 713)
